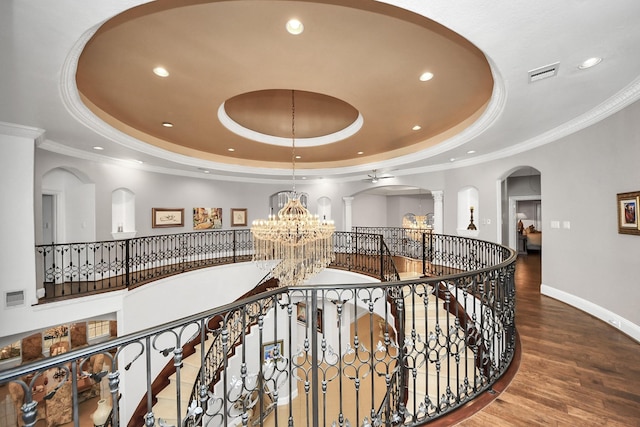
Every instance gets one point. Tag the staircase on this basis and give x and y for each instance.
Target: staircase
(429, 384)
(165, 407)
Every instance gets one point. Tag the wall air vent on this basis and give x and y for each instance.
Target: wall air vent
(14, 298)
(543, 72)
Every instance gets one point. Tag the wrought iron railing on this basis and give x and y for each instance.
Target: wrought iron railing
(79, 269)
(439, 254)
(405, 352)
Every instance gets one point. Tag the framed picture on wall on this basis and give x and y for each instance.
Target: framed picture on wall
(238, 217)
(167, 217)
(207, 218)
(301, 313)
(319, 321)
(628, 213)
(272, 349)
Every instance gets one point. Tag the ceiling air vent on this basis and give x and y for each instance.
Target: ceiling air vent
(543, 72)
(14, 299)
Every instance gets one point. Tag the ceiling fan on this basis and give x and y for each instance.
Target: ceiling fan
(374, 178)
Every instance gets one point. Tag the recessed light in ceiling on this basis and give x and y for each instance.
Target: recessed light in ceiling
(471, 152)
(206, 171)
(417, 127)
(167, 124)
(426, 76)
(231, 149)
(298, 157)
(295, 27)
(360, 153)
(591, 62)
(98, 148)
(161, 72)
(453, 159)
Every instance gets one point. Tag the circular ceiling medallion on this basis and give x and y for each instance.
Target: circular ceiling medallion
(272, 116)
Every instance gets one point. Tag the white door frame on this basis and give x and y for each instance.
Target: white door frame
(512, 216)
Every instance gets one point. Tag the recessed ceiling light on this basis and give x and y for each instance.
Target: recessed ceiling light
(295, 27)
(167, 124)
(298, 157)
(161, 72)
(591, 62)
(206, 171)
(471, 152)
(304, 177)
(98, 148)
(360, 153)
(426, 76)
(417, 127)
(453, 159)
(231, 149)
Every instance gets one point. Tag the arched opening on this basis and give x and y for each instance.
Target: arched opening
(324, 208)
(522, 203)
(68, 206)
(123, 213)
(386, 206)
(468, 204)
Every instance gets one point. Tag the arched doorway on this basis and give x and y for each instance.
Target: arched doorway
(386, 206)
(521, 202)
(68, 203)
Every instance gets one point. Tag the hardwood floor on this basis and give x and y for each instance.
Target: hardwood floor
(575, 370)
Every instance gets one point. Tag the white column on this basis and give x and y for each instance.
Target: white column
(347, 213)
(438, 211)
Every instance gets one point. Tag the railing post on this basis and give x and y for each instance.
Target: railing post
(127, 261)
(314, 357)
(235, 242)
(402, 358)
(424, 254)
(381, 252)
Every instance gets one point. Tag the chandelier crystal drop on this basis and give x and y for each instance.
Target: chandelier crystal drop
(294, 243)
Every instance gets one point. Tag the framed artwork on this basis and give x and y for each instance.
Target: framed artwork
(207, 218)
(628, 213)
(238, 217)
(167, 217)
(319, 320)
(301, 313)
(269, 350)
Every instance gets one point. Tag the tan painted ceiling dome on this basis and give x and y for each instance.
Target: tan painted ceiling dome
(232, 67)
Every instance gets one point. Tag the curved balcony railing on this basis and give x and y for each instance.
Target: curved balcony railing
(395, 352)
(69, 270)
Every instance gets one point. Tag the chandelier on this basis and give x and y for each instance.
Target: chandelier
(294, 243)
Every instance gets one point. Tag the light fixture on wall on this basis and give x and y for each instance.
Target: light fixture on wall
(294, 243)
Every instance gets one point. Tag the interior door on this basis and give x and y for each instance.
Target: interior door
(48, 219)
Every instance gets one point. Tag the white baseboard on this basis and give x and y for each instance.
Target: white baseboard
(601, 313)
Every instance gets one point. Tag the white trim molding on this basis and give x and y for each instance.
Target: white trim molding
(595, 310)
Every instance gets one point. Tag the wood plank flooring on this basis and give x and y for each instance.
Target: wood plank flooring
(575, 370)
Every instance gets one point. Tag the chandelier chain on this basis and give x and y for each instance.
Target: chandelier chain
(294, 244)
(293, 139)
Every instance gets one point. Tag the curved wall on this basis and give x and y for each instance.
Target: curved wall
(588, 265)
